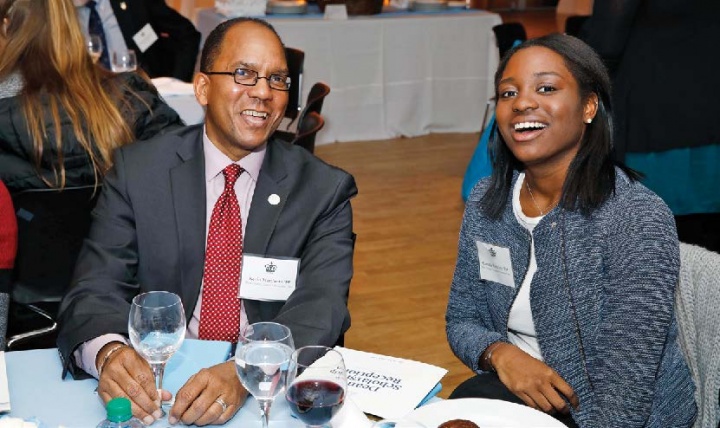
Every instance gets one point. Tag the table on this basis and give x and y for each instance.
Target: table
(393, 74)
(36, 389)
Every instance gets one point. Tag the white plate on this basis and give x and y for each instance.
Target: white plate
(484, 412)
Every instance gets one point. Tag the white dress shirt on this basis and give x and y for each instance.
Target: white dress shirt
(215, 162)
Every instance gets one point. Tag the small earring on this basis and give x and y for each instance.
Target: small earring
(588, 121)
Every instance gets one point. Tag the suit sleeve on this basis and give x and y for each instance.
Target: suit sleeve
(176, 34)
(317, 312)
(103, 284)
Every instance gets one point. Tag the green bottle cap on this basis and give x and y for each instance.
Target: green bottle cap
(119, 410)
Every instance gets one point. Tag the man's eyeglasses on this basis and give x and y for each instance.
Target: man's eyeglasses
(246, 77)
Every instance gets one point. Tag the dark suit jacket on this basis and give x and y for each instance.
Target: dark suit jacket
(148, 233)
(175, 52)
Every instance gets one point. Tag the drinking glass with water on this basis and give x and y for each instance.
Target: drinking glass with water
(123, 61)
(261, 359)
(157, 329)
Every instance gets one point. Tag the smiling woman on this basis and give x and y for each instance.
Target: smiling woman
(563, 292)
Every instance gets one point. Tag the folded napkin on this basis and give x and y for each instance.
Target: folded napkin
(350, 416)
(170, 86)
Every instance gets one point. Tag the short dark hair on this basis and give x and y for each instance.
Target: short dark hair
(213, 43)
(590, 179)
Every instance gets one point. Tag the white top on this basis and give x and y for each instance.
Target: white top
(521, 328)
(215, 162)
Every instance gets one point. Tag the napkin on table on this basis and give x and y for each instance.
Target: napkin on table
(350, 416)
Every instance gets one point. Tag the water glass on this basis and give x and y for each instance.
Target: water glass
(123, 61)
(261, 359)
(157, 329)
(94, 46)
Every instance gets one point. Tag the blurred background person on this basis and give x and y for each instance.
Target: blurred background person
(61, 116)
(663, 61)
(563, 292)
(165, 42)
(8, 250)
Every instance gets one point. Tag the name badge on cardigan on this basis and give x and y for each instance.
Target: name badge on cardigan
(495, 264)
(268, 279)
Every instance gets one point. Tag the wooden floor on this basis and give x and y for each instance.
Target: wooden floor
(407, 218)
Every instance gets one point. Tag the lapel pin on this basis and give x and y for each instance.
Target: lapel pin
(274, 199)
(123, 5)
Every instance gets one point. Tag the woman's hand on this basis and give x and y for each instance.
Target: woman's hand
(198, 401)
(538, 385)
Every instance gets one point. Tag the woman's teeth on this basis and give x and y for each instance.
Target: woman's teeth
(529, 126)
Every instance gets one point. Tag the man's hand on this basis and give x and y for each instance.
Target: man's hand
(126, 374)
(195, 402)
(538, 385)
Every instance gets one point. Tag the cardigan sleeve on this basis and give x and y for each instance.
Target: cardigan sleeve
(642, 265)
(469, 327)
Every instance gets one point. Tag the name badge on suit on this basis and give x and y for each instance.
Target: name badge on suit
(268, 279)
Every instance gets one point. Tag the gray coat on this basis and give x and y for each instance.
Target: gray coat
(602, 304)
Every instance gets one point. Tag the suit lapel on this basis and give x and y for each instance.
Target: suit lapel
(263, 214)
(189, 199)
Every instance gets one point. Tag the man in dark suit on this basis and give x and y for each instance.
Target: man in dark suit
(157, 211)
(165, 42)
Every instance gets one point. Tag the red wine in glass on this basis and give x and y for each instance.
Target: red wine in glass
(315, 402)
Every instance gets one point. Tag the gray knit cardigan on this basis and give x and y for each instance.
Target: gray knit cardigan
(601, 299)
(698, 314)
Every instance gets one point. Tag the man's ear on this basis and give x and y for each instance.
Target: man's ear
(201, 84)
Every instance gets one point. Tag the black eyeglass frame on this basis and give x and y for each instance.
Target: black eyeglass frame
(234, 74)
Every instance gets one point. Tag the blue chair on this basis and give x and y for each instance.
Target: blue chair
(479, 166)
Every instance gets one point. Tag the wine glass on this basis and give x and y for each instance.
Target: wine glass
(157, 329)
(94, 46)
(317, 384)
(123, 61)
(261, 359)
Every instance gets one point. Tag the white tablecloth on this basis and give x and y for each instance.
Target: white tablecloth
(392, 75)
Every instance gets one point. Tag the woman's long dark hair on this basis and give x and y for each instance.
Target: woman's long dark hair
(590, 179)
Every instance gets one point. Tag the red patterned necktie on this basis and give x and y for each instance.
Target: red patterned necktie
(220, 311)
